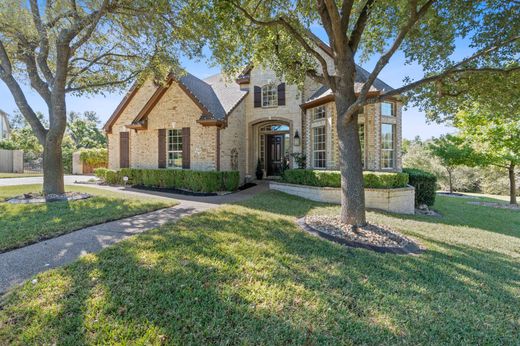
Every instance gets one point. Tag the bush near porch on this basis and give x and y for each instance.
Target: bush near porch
(376, 180)
(196, 181)
(425, 185)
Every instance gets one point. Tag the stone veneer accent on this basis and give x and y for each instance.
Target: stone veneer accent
(400, 200)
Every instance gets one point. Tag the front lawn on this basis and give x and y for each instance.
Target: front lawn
(22, 224)
(246, 274)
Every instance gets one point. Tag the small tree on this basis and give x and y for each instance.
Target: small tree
(84, 130)
(452, 152)
(78, 47)
(495, 136)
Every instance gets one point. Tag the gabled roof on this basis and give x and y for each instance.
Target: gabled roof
(214, 96)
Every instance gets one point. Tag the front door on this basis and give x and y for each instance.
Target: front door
(274, 155)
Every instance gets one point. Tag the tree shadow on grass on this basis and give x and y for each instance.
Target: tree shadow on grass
(235, 276)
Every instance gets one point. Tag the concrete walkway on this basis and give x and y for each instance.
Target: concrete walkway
(69, 179)
(18, 265)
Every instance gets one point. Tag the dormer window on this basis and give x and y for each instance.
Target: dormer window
(269, 95)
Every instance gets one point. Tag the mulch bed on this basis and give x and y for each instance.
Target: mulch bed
(372, 237)
(30, 198)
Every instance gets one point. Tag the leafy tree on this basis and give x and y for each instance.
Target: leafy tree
(495, 136)
(452, 152)
(84, 131)
(78, 47)
(277, 33)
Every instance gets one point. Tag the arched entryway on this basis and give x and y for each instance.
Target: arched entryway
(273, 146)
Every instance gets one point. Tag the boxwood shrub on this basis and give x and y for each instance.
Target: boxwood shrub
(196, 181)
(377, 180)
(425, 185)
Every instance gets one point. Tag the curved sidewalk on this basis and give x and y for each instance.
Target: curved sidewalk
(18, 265)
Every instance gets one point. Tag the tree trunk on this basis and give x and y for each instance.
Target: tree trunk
(53, 182)
(352, 189)
(512, 184)
(449, 181)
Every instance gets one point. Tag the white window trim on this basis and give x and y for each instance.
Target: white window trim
(275, 93)
(324, 150)
(168, 151)
(364, 144)
(393, 150)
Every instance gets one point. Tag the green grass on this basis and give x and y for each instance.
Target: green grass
(19, 175)
(246, 274)
(23, 224)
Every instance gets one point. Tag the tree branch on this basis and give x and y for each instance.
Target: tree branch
(44, 43)
(359, 27)
(434, 78)
(293, 32)
(346, 10)
(415, 16)
(103, 84)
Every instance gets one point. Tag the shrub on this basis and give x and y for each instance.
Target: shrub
(378, 180)
(425, 185)
(100, 173)
(96, 157)
(196, 181)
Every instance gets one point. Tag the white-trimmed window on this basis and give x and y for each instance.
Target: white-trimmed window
(318, 147)
(387, 146)
(318, 113)
(361, 129)
(269, 95)
(387, 109)
(174, 148)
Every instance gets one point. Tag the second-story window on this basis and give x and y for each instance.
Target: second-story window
(269, 95)
(318, 113)
(387, 109)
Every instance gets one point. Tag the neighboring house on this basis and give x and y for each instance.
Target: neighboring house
(214, 124)
(5, 129)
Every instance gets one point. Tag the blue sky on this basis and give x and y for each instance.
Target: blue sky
(414, 121)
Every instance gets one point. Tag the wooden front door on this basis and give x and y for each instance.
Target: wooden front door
(274, 157)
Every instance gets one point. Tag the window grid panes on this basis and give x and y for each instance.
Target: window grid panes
(318, 113)
(387, 146)
(361, 128)
(318, 153)
(262, 149)
(269, 96)
(387, 109)
(174, 148)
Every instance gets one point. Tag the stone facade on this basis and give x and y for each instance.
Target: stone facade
(234, 142)
(399, 200)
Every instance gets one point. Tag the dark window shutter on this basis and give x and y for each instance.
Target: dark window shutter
(186, 148)
(281, 94)
(124, 150)
(258, 96)
(162, 148)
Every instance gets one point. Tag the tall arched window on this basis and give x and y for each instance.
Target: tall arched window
(269, 95)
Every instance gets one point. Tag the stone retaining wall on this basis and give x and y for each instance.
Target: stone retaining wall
(399, 200)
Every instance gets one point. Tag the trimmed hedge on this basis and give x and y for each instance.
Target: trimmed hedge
(97, 157)
(196, 181)
(425, 185)
(377, 180)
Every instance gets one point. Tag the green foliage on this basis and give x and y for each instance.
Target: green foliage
(101, 173)
(259, 171)
(84, 131)
(94, 157)
(196, 181)
(425, 185)
(300, 159)
(377, 180)
(67, 149)
(453, 151)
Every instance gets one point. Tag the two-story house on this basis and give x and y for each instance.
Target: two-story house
(221, 124)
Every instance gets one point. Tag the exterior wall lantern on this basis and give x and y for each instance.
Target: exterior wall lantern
(296, 139)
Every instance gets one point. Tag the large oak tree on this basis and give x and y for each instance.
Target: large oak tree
(62, 47)
(277, 33)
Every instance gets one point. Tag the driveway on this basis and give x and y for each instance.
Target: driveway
(69, 180)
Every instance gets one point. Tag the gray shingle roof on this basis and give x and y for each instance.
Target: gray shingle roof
(361, 77)
(218, 96)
